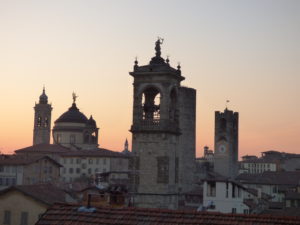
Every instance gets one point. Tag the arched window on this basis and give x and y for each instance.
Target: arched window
(151, 104)
(46, 123)
(86, 138)
(39, 121)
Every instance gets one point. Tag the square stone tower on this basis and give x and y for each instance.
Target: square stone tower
(226, 143)
(163, 134)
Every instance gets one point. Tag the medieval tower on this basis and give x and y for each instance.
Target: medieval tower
(163, 133)
(226, 143)
(42, 121)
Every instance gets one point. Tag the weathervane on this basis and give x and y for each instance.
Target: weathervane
(227, 101)
(74, 97)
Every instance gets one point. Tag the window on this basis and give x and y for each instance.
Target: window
(78, 161)
(6, 219)
(89, 171)
(71, 160)
(24, 218)
(246, 211)
(39, 121)
(227, 189)
(233, 191)
(239, 192)
(104, 161)
(1, 182)
(46, 122)
(162, 170)
(7, 169)
(77, 170)
(58, 138)
(64, 170)
(233, 210)
(1, 169)
(13, 181)
(90, 161)
(211, 189)
(96, 170)
(120, 161)
(97, 161)
(72, 139)
(70, 170)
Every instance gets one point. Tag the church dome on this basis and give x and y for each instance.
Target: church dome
(73, 115)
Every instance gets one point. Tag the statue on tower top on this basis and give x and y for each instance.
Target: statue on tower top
(158, 59)
(157, 46)
(74, 97)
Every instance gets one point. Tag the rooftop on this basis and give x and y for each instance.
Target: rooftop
(271, 177)
(45, 193)
(44, 148)
(23, 160)
(63, 214)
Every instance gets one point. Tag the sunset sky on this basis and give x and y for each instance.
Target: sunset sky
(244, 51)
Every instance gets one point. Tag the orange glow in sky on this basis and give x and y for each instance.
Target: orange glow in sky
(244, 51)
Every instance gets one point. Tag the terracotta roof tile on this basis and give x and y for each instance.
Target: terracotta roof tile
(64, 214)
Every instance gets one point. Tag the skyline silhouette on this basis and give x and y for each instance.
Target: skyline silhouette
(245, 52)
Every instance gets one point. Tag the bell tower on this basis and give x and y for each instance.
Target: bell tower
(226, 143)
(163, 133)
(42, 121)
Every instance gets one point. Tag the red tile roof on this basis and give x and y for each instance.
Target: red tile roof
(64, 214)
(45, 193)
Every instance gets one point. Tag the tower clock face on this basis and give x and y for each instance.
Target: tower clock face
(222, 148)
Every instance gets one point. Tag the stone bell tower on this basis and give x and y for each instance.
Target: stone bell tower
(163, 133)
(226, 143)
(42, 121)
